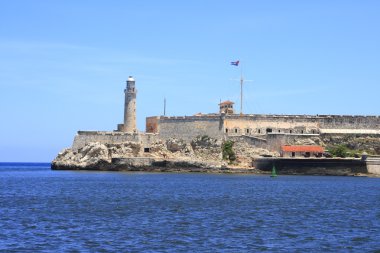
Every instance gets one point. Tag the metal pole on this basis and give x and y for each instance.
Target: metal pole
(164, 106)
(241, 91)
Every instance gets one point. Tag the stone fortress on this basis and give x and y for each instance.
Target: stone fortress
(227, 142)
(268, 132)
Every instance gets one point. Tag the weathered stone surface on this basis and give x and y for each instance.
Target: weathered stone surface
(90, 156)
(126, 149)
(202, 152)
(175, 145)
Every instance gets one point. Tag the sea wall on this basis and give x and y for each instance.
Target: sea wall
(373, 165)
(312, 166)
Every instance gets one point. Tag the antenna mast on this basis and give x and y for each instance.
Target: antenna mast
(164, 106)
(241, 85)
(241, 90)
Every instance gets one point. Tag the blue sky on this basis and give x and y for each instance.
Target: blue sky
(64, 63)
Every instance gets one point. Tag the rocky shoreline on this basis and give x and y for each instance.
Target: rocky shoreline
(202, 155)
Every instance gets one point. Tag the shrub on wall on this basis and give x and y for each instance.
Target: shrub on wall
(339, 151)
(343, 151)
(228, 152)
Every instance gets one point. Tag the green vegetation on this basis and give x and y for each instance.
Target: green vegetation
(339, 151)
(228, 152)
(204, 138)
(343, 151)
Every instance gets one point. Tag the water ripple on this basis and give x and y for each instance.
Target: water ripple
(44, 211)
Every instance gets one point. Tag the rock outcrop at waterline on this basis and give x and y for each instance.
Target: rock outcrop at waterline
(91, 156)
(171, 155)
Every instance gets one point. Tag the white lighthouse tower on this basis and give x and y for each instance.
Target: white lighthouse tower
(129, 125)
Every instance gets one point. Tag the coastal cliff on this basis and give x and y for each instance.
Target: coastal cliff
(201, 154)
(205, 154)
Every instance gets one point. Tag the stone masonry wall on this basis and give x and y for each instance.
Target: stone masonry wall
(84, 137)
(187, 128)
(257, 123)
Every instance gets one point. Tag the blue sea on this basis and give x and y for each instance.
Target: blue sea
(85, 211)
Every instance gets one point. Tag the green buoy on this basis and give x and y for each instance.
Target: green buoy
(274, 174)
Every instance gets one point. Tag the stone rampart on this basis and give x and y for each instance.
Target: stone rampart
(312, 166)
(309, 122)
(187, 128)
(84, 137)
(373, 165)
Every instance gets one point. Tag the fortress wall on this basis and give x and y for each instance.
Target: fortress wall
(312, 166)
(151, 124)
(373, 166)
(84, 137)
(257, 125)
(349, 122)
(187, 128)
(308, 123)
(215, 126)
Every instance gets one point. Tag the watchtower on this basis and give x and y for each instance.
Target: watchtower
(129, 125)
(226, 107)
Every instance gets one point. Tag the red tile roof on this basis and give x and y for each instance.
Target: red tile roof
(316, 149)
(227, 102)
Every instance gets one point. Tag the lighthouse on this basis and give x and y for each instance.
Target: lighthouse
(130, 91)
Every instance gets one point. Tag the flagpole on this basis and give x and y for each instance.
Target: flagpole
(236, 63)
(241, 90)
(164, 106)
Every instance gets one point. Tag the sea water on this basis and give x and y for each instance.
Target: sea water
(44, 210)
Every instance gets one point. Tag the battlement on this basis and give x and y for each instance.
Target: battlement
(218, 125)
(195, 117)
(299, 116)
(107, 137)
(250, 116)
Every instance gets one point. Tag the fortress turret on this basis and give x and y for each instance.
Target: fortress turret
(129, 125)
(226, 107)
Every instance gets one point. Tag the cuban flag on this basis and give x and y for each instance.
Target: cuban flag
(235, 63)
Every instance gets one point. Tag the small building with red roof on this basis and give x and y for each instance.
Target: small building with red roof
(301, 151)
